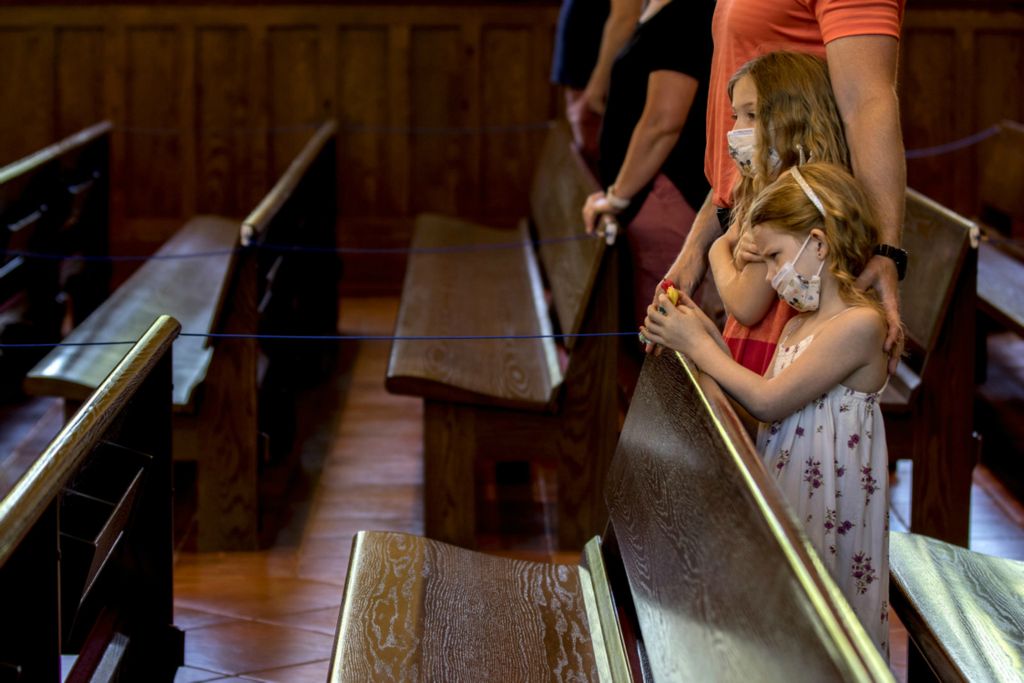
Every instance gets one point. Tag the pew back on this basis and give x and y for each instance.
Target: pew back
(724, 583)
(92, 515)
(560, 187)
(54, 202)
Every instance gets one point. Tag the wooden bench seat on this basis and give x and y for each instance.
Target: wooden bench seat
(964, 611)
(928, 404)
(232, 291)
(158, 288)
(513, 399)
(86, 551)
(514, 373)
(702, 574)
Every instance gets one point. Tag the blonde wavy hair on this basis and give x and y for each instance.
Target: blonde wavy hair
(851, 231)
(796, 115)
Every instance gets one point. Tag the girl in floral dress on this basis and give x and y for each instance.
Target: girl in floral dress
(821, 431)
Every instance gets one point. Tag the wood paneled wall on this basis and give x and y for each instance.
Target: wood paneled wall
(441, 108)
(962, 70)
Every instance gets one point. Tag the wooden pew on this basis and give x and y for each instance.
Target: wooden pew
(928, 404)
(54, 202)
(86, 535)
(964, 611)
(216, 380)
(501, 399)
(702, 574)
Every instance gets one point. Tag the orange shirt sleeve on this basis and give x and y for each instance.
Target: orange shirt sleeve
(843, 18)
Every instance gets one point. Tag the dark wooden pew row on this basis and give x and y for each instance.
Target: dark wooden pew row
(86, 535)
(928, 404)
(963, 611)
(513, 399)
(217, 381)
(56, 202)
(702, 574)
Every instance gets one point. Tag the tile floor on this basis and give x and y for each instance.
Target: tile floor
(270, 615)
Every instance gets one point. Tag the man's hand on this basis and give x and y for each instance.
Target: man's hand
(880, 275)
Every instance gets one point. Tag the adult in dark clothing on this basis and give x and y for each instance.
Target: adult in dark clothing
(652, 138)
(590, 33)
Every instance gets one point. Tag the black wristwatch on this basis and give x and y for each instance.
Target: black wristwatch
(898, 256)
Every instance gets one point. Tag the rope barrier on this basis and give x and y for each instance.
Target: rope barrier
(448, 249)
(953, 146)
(333, 337)
(345, 127)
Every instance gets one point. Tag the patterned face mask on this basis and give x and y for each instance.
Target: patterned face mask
(742, 149)
(799, 291)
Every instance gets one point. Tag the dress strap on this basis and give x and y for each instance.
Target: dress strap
(848, 308)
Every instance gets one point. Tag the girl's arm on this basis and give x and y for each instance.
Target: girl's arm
(839, 350)
(669, 96)
(745, 293)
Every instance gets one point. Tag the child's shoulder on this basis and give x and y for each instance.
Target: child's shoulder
(861, 323)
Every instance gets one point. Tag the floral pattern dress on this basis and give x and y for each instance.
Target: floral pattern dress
(831, 462)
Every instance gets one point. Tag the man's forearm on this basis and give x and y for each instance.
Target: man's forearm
(876, 148)
(688, 269)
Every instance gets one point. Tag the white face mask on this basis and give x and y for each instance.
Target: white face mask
(799, 291)
(742, 149)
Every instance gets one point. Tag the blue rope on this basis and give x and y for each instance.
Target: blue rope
(954, 145)
(335, 337)
(452, 249)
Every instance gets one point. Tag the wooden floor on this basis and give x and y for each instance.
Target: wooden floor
(271, 615)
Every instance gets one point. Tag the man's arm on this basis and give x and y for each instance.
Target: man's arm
(863, 72)
(687, 271)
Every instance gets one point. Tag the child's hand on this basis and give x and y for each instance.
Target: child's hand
(746, 251)
(677, 328)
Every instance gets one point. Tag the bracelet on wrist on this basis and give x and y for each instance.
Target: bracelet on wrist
(618, 203)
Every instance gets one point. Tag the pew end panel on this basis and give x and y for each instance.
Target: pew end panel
(701, 575)
(928, 405)
(962, 609)
(95, 581)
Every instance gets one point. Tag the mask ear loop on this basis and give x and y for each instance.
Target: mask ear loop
(800, 151)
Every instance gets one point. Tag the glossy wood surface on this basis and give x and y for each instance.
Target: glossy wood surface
(467, 288)
(158, 288)
(29, 497)
(416, 609)
(963, 609)
(1001, 287)
(725, 585)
